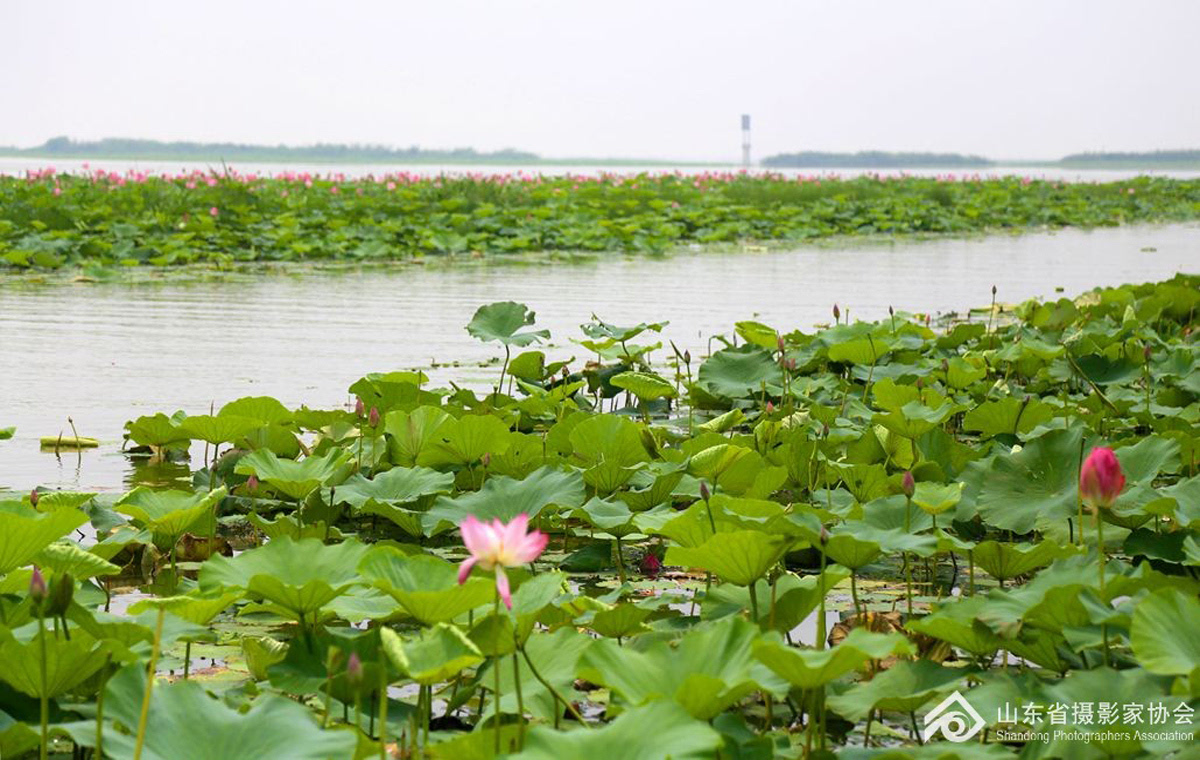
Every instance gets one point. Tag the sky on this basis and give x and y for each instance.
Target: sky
(636, 79)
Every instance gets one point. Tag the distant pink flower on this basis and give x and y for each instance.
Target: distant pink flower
(213, 211)
(495, 546)
(1100, 479)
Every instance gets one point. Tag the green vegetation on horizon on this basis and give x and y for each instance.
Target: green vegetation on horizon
(48, 222)
(915, 490)
(874, 159)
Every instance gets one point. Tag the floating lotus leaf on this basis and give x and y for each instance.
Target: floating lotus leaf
(647, 386)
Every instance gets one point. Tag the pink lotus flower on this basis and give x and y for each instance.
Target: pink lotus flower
(495, 546)
(1100, 478)
(213, 211)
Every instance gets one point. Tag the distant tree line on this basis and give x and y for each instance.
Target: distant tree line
(1153, 157)
(872, 159)
(118, 147)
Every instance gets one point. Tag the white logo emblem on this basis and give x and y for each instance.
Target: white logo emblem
(955, 718)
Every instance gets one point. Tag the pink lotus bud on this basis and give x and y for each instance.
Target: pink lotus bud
(909, 484)
(779, 343)
(373, 417)
(824, 537)
(791, 365)
(770, 407)
(486, 459)
(1100, 479)
(354, 669)
(252, 483)
(891, 312)
(1147, 351)
(837, 313)
(704, 493)
(651, 565)
(359, 408)
(687, 357)
(993, 291)
(33, 497)
(37, 586)
(945, 365)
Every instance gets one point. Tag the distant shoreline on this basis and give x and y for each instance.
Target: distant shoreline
(120, 149)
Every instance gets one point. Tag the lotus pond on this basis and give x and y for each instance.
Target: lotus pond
(106, 221)
(799, 544)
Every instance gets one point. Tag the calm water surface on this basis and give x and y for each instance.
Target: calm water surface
(104, 353)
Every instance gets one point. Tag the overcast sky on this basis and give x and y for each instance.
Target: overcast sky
(640, 78)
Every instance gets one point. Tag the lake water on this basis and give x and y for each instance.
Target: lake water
(19, 166)
(104, 353)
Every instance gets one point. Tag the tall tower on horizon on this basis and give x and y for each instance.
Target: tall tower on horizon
(745, 141)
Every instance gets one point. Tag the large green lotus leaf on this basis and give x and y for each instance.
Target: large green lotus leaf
(216, 429)
(890, 540)
(936, 498)
(647, 386)
(69, 662)
(741, 556)
(290, 526)
(612, 517)
(1163, 633)
(297, 479)
(24, 532)
(386, 391)
(503, 321)
(1008, 415)
(157, 430)
(914, 419)
(652, 485)
(299, 576)
(813, 668)
(1003, 560)
(1103, 371)
(850, 551)
(795, 598)
(65, 556)
(858, 350)
(734, 373)
(196, 607)
(410, 433)
(436, 654)
(398, 485)
(620, 621)
(426, 586)
(555, 654)
(655, 731)
(866, 482)
(262, 409)
(1039, 483)
(170, 514)
(957, 623)
(730, 467)
(464, 441)
(411, 521)
(16, 737)
(185, 721)
(711, 668)
(901, 688)
(504, 498)
(608, 438)
(1144, 460)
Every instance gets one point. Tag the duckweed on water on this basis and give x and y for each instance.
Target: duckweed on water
(913, 491)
